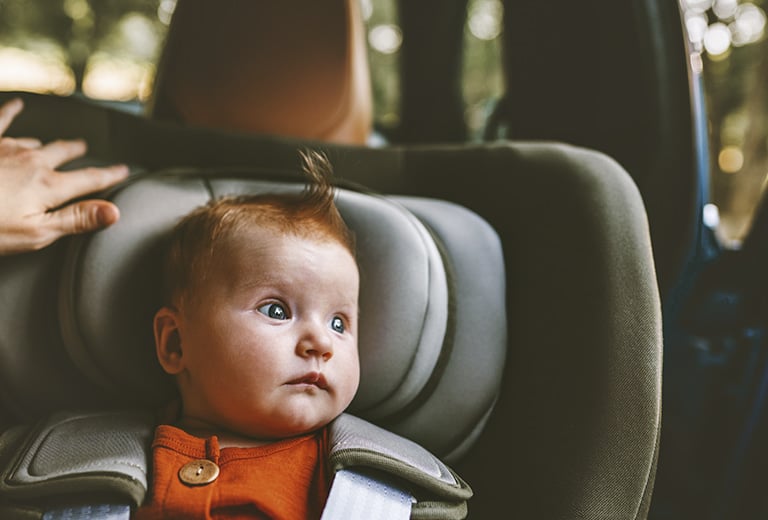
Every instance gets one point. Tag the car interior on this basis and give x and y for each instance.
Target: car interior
(543, 308)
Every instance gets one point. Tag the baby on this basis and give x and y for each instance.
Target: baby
(260, 333)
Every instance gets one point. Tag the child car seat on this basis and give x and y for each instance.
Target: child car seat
(426, 296)
(566, 409)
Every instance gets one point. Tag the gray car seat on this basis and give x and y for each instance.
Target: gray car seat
(432, 284)
(559, 420)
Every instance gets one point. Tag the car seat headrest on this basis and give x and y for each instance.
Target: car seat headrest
(432, 319)
(314, 84)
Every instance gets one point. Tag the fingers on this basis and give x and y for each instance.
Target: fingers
(66, 186)
(8, 111)
(9, 143)
(43, 230)
(81, 217)
(26, 142)
(56, 153)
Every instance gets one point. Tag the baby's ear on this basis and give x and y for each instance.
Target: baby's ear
(168, 340)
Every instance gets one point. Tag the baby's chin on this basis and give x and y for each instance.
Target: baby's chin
(295, 428)
(274, 429)
(234, 431)
(297, 417)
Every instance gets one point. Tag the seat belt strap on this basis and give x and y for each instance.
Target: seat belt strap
(352, 495)
(90, 512)
(357, 495)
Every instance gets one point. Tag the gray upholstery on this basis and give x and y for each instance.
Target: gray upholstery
(438, 492)
(69, 453)
(408, 347)
(92, 465)
(575, 426)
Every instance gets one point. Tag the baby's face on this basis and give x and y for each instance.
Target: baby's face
(269, 343)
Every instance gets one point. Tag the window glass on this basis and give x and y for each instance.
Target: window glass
(482, 79)
(107, 50)
(730, 35)
(384, 41)
(104, 49)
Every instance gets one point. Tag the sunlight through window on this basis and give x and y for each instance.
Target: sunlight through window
(385, 38)
(113, 79)
(717, 39)
(485, 19)
(34, 72)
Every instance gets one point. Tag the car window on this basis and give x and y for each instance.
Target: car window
(103, 50)
(729, 36)
(482, 79)
(107, 51)
(384, 41)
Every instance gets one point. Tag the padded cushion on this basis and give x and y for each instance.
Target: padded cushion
(416, 351)
(96, 455)
(578, 416)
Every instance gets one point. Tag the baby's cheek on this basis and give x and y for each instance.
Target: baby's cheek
(353, 381)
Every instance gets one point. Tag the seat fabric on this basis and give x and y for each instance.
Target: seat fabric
(410, 333)
(575, 425)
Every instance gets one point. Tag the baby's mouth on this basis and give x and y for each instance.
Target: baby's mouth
(311, 378)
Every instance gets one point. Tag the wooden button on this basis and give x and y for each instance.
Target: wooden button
(199, 472)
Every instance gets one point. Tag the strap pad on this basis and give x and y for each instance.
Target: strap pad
(104, 457)
(101, 457)
(356, 444)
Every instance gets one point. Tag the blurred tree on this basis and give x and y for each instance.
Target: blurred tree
(78, 27)
(730, 34)
(738, 108)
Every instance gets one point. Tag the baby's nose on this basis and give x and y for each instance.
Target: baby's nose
(316, 341)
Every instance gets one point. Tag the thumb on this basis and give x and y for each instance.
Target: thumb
(82, 217)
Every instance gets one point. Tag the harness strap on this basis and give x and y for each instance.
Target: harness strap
(357, 495)
(382, 456)
(91, 512)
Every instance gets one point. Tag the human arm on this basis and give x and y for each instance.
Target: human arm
(36, 200)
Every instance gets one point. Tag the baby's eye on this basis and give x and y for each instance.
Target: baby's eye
(337, 324)
(274, 310)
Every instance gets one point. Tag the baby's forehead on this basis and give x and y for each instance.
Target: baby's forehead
(246, 239)
(269, 248)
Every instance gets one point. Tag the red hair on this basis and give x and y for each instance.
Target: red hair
(311, 213)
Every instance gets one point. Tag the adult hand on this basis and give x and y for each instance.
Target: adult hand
(35, 199)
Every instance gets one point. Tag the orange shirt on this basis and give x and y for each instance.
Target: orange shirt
(284, 480)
